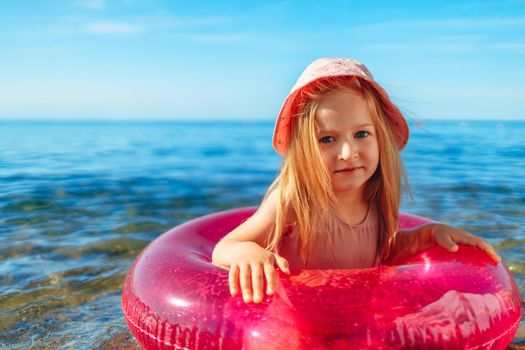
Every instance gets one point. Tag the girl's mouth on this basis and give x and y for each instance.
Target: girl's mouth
(348, 170)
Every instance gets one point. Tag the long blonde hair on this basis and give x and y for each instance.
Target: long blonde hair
(304, 184)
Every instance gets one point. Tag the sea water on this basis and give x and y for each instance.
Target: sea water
(79, 200)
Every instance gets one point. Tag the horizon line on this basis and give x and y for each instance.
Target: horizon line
(254, 119)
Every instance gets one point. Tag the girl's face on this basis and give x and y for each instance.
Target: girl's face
(347, 140)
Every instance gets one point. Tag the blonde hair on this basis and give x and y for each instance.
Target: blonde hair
(304, 184)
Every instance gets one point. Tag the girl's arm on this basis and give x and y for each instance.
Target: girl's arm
(410, 242)
(242, 251)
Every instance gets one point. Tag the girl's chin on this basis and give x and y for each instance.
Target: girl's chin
(350, 183)
(348, 188)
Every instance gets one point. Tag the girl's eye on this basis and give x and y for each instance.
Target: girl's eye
(327, 139)
(362, 134)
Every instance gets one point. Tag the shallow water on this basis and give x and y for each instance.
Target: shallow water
(79, 200)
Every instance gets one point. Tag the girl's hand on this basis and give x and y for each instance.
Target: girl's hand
(252, 266)
(447, 237)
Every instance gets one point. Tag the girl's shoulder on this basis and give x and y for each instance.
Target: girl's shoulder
(270, 203)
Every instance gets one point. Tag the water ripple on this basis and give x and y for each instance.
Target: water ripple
(80, 200)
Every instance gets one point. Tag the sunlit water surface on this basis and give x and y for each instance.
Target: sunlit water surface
(79, 200)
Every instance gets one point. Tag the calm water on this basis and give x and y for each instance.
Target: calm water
(78, 201)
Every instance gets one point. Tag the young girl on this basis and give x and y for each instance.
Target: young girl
(335, 203)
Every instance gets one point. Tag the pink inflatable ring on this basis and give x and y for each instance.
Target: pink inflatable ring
(174, 298)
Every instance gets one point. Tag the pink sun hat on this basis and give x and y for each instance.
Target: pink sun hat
(327, 68)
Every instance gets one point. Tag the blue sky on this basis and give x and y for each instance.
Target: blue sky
(137, 59)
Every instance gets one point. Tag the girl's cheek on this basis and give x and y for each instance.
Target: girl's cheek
(370, 140)
(326, 152)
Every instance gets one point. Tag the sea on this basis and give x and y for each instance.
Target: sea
(80, 199)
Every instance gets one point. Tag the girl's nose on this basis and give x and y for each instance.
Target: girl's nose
(346, 151)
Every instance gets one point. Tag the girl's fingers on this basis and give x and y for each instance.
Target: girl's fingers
(271, 278)
(233, 280)
(282, 264)
(489, 249)
(246, 283)
(465, 237)
(257, 282)
(479, 242)
(446, 242)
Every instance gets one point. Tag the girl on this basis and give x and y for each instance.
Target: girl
(336, 200)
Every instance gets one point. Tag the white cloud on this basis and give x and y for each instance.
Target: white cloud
(112, 28)
(181, 22)
(516, 47)
(419, 46)
(162, 23)
(450, 23)
(92, 4)
(444, 47)
(219, 38)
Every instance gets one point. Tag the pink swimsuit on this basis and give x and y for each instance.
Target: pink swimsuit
(352, 246)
